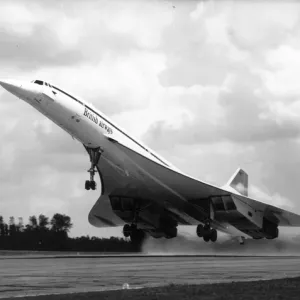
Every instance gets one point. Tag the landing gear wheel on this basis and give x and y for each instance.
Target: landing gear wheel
(93, 185)
(200, 230)
(127, 230)
(242, 240)
(206, 238)
(137, 236)
(171, 232)
(207, 232)
(213, 235)
(87, 185)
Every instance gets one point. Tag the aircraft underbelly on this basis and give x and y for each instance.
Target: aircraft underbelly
(124, 177)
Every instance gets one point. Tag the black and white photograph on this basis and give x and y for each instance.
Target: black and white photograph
(149, 149)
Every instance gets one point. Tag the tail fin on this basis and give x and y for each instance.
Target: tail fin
(239, 182)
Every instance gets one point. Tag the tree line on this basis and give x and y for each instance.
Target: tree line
(44, 234)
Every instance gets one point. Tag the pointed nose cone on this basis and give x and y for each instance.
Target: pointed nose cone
(10, 85)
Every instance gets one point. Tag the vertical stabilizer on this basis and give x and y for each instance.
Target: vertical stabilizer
(239, 182)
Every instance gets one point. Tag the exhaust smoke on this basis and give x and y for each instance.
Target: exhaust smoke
(185, 244)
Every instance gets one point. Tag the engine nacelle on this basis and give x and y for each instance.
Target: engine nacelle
(270, 230)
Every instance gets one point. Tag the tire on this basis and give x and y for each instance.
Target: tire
(127, 230)
(137, 236)
(276, 233)
(171, 232)
(200, 230)
(213, 235)
(87, 185)
(93, 185)
(206, 238)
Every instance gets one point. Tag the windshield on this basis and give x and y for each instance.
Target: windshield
(39, 82)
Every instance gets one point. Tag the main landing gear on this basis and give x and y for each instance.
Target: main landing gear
(207, 233)
(242, 240)
(136, 235)
(95, 154)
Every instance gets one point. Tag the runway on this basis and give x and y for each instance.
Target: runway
(24, 276)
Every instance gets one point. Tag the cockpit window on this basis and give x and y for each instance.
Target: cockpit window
(39, 82)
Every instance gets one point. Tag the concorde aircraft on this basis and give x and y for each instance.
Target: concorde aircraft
(143, 192)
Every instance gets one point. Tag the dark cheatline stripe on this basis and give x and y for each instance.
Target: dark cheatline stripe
(112, 125)
(105, 221)
(125, 134)
(56, 88)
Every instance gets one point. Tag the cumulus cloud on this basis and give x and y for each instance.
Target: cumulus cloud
(234, 113)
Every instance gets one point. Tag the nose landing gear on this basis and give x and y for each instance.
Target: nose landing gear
(95, 154)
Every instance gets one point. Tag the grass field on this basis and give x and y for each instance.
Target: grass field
(288, 288)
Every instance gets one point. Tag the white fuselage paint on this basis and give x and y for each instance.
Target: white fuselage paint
(87, 124)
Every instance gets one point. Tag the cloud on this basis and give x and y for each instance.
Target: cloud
(234, 113)
(284, 64)
(267, 31)
(27, 40)
(273, 199)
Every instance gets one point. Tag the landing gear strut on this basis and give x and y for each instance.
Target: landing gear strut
(95, 154)
(207, 233)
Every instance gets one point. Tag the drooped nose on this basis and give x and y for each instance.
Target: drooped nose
(24, 90)
(12, 86)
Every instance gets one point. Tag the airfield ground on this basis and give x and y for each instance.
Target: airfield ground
(33, 275)
(288, 288)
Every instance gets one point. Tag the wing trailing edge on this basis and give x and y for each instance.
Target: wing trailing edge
(239, 182)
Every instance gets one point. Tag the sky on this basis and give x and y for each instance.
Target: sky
(210, 85)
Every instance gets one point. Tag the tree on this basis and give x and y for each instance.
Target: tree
(61, 223)
(32, 223)
(1, 226)
(5, 231)
(43, 221)
(20, 226)
(12, 226)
